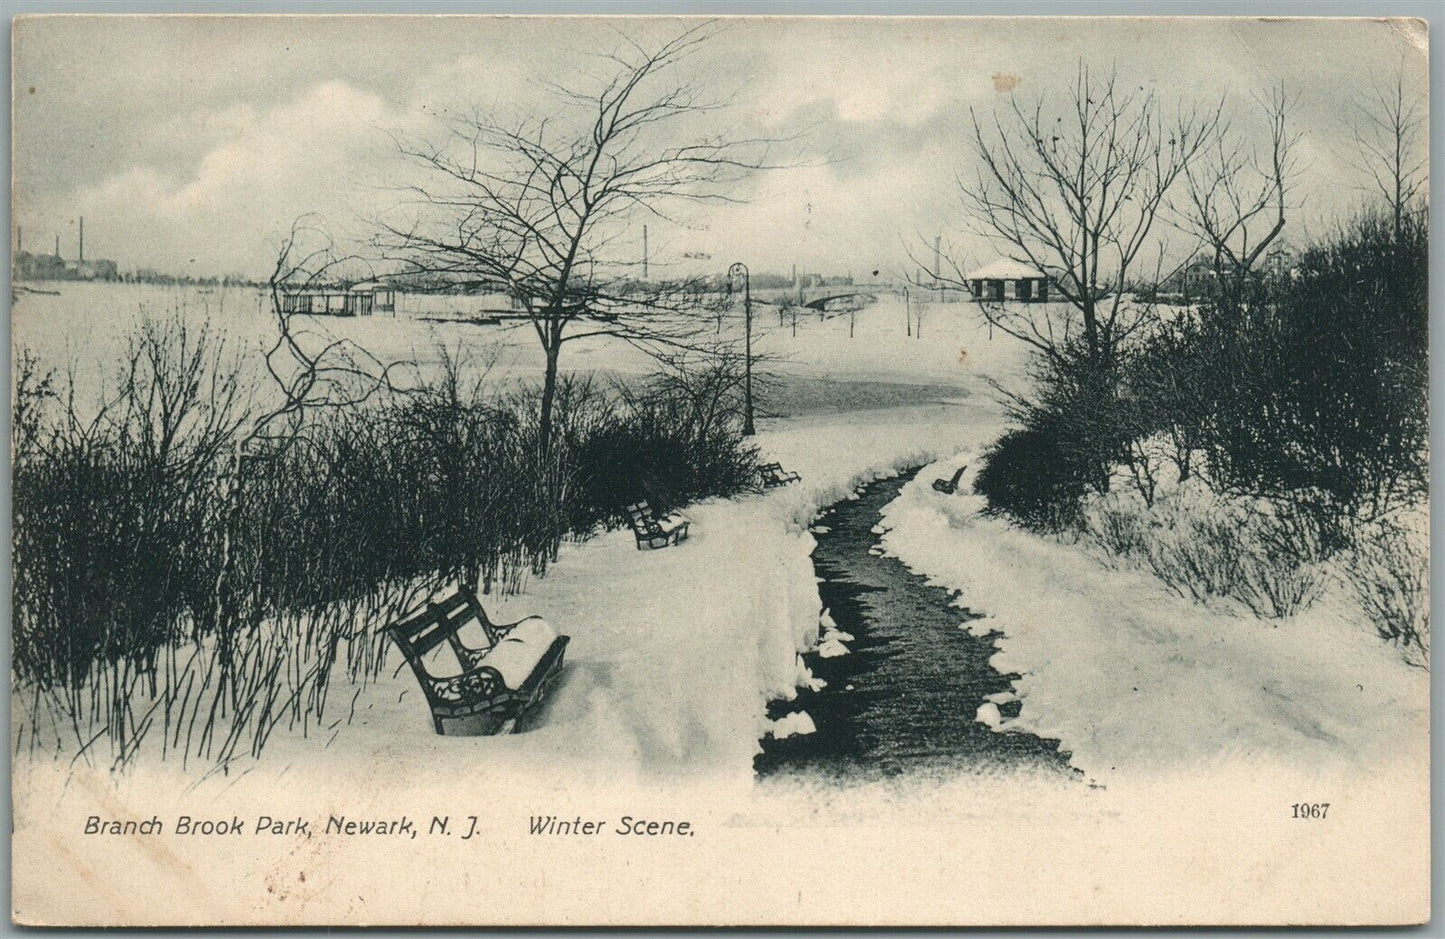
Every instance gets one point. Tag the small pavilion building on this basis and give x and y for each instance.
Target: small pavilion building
(1007, 279)
(363, 299)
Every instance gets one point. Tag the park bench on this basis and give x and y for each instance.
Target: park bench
(498, 682)
(949, 486)
(654, 531)
(774, 475)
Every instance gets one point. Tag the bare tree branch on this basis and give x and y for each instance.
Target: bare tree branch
(1236, 196)
(1075, 194)
(536, 207)
(1387, 129)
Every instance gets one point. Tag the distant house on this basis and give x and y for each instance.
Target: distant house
(1280, 263)
(1007, 279)
(1198, 278)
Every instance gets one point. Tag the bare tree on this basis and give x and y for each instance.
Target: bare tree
(1075, 192)
(538, 206)
(1387, 131)
(1237, 192)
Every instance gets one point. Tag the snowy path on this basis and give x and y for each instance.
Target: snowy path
(674, 652)
(902, 699)
(1133, 679)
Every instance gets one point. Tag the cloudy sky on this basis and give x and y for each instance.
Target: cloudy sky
(189, 144)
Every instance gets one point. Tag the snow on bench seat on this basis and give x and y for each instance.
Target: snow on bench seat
(515, 657)
(672, 522)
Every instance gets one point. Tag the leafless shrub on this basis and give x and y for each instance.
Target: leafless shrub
(193, 573)
(1282, 572)
(1120, 531)
(1266, 560)
(1390, 576)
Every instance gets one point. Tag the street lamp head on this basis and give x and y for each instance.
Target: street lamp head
(738, 268)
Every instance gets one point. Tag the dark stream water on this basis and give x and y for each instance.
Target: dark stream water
(905, 699)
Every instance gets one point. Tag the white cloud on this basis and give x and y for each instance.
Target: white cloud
(307, 155)
(213, 167)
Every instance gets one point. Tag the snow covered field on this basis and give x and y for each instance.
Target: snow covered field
(674, 653)
(1182, 715)
(60, 330)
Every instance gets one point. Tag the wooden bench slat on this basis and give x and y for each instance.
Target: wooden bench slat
(774, 475)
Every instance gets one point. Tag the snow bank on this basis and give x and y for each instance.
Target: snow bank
(1132, 678)
(799, 723)
(674, 653)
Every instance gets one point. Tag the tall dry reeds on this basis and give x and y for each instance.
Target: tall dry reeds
(194, 572)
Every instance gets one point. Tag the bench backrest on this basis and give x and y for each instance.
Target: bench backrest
(644, 521)
(440, 621)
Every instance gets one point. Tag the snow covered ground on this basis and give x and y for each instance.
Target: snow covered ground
(675, 652)
(1134, 679)
(1201, 728)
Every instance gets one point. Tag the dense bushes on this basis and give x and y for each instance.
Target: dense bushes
(1074, 429)
(673, 440)
(1311, 388)
(180, 542)
(1325, 401)
(1297, 400)
(1027, 475)
(115, 525)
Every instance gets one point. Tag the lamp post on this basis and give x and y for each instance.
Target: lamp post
(733, 272)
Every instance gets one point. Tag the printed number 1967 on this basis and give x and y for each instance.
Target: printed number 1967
(1311, 809)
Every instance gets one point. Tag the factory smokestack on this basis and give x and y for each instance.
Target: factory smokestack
(82, 238)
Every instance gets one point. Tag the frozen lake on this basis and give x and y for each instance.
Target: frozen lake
(874, 353)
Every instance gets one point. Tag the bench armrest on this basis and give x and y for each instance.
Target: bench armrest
(501, 629)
